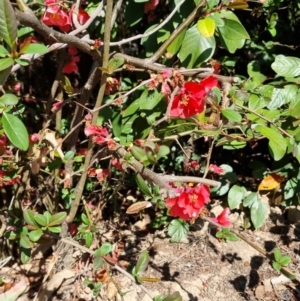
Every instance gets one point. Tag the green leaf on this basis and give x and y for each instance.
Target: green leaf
(88, 239)
(55, 229)
(277, 254)
(25, 255)
(253, 69)
(3, 51)
(258, 213)
(250, 199)
(105, 248)
(163, 151)
(85, 219)
(24, 30)
(277, 143)
(234, 144)
(28, 216)
(36, 48)
(285, 260)
(287, 66)
(15, 131)
(231, 115)
(235, 196)
(9, 99)
(138, 153)
(115, 63)
(231, 237)
(206, 27)
(195, 48)
(142, 263)
(57, 219)
(230, 45)
(176, 44)
(8, 23)
(173, 297)
(150, 99)
(41, 219)
(132, 108)
(4, 74)
(234, 30)
(291, 187)
(143, 185)
(278, 99)
(256, 102)
(22, 62)
(133, 13)
(6, 62)
(98, 262)
(177, 230)
(47, 216)
(35, 235)
(276, 266)
(69, 155)
(25, 242)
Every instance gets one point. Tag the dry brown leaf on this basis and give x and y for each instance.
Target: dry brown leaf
(137, 207)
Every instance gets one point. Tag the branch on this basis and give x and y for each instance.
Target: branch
(161, 180)
(147, 34)
(266, 119)
(81, 183)
(175, 33)
(28, 18)
(270, 256)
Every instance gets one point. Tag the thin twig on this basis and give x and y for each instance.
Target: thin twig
(151, 32)
(81, 183)
(187, 179)
(266, 119)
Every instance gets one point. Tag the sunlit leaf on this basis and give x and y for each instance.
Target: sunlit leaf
(6, 62)
(36, 48)
(286, 66)
(15, 130)
(206, 27)
(142, 262)
(271, 182)
(8, 23)
(177, 230)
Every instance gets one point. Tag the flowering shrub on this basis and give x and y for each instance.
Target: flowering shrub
(190, 99)
(189, 202)
(58, 14)
(162, 94)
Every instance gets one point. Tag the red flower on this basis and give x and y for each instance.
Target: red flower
(190, 99)
(102, 174)
(55, 15)
(112, 85)
(34, 137)
(3, 140)
(72, 51)
(100, 133)
(189, 202)
(56, 106)
(82, 151)
(72, 65)
(83, 16)
(165, 89)
(216, 169)
(222, 219)
(7, 180)
(117, 164)
(150, 5)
